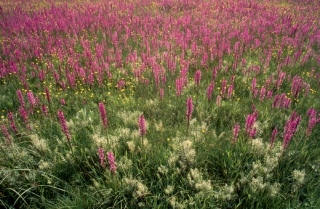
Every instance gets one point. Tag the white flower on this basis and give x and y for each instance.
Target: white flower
(299, 176)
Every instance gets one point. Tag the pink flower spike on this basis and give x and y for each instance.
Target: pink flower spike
(101, 157)
(197, 78)
(273, 137)
(44, 110)
(209, 90)
(161, 93)
(142, 126)
(189, 108)
(20, 97)
(236, 130)
(112, 163)
(31, 99)
(63, 102)
(103, 115)
(6, 133)
(63, 124)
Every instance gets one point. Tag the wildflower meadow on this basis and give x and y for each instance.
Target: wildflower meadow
(160, 104)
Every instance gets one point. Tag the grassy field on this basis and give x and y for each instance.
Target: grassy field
(160, 104)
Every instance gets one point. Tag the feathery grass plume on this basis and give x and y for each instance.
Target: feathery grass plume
(112, 162)
(101, 157)
(103, 115)
(64, 126)
(225, 193)
(124, 164)
(299, 176)
(142, 126)
(39, 144)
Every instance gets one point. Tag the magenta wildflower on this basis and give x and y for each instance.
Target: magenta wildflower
(214, 73)
(101, 157)
(20, 98)
(179, 86)
(262, 93)
(296, 86)
(44, 110)
(273, 137)
(23, 114)
(56, 77)
(223, 87)
(218, 101)
(63, 102)
(6, 133)
(276, 101)
(307, 90)
(197, 77)
(236, 131)
(13, 127)
(290, 129)
(47, 94)
(312, 113)
(161, 93)
(189, 108)
(112, 163)
(253, 85)
(10, 116)
(209, 90)
(121, 84)
(311, 124)
(251, 119)
(31, 99)
(63, 124)
(269, 94)
(103, 115)
(252, 133)
(230, 91)
(142, 126)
